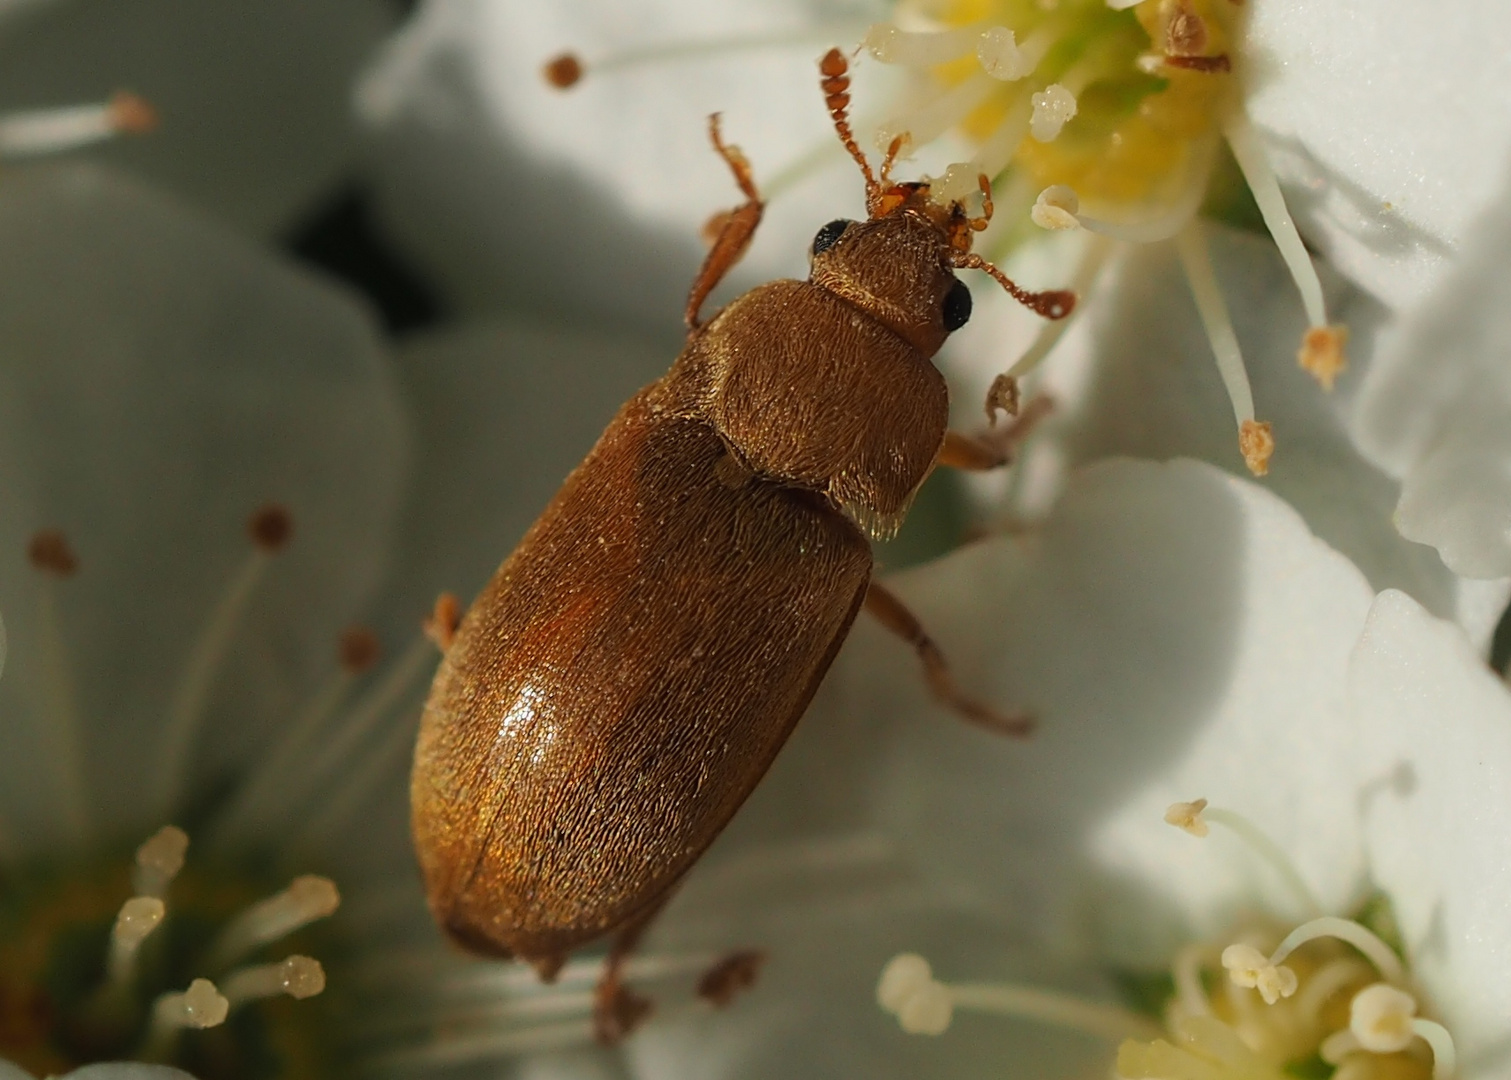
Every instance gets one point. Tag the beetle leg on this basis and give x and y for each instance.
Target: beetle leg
(894, 615)
(977, 453)
(617, 1010)
(731, 229)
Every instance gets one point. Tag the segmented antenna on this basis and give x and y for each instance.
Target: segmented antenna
(835, 83)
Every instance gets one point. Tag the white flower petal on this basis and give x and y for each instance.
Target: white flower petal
(162, 378)
(1386, 123)
(1436, 409)
(1432, 727)
(508, 188)
(1179, 633)
(127, 1070)
(253, 96)
(503, 412)
(1140, 380)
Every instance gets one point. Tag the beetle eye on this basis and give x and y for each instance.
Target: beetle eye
(957, 306)
(829, 234)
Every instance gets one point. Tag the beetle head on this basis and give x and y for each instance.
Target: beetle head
(898, 264)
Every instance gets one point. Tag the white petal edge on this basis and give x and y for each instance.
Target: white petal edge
(1432, 727)
(1435, 408)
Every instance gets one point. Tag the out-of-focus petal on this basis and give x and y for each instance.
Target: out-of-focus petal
(162, 378)
(253, 96)
(514, 192)
(1435, 409)
(1432, 732)
(503, 412)
(1178, 633)
(1385, 124)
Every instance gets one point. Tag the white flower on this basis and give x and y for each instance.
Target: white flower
(1381, 138)
(1364, 738)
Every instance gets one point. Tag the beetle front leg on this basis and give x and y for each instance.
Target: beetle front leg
(978, 453)
(617, 1010)
(731, 229)
(892, 613)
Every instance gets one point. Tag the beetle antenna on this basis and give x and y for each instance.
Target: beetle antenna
(893, 149)
(1051, 303)
(836, 86)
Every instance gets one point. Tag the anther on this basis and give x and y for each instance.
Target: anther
(1247, 966)
(1054, 107)
(159, 860)
(297, 976)
(1002, 396)
(131, 114)
(1380, 1018)
(1208, 65)
(200, 1006)
(134, 923)
(1056, 208)
(999, 55)
(1321, 353)
(564, 71)
(908, 989)
(50, 553)
(307, 899)
(1187, 816)
(1256, 442)
(358, 649)
(270, 527)
(1186, 32)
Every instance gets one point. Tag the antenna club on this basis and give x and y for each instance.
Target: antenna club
(835, 69)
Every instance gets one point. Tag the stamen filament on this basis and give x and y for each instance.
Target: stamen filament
(1255, 166)
(1093, 257)
(60, 732)
(416, 661)
(919, 49)
(1444, 1054)
(935, 117)
(1192, 245)
(1267, 850)
(1332, 977)
(694, 49)
(1186, 972)
(452, 1049)
(1359, 936)
(35, 132)
(355, 783)
(307, 899)
(206, 659)
(263, 793)
(1059, 1010)
(297, 976)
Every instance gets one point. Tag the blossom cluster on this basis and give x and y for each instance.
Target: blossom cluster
(1254, 599)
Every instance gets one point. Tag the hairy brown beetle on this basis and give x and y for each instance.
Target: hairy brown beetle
(624, 681)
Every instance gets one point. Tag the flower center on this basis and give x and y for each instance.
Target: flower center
(1123, 104)
(1331, 998)
(160, 962)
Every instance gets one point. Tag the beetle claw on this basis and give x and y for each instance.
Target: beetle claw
(617, 1011)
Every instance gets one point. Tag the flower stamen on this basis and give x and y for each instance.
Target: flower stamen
(1321, 351)
(309, 897)
(1255, 441)
(925, 1006)
(200, 1006)
(35, 132)
(297, 976)
(269, 529)
(1194, 817)
(1249, 967)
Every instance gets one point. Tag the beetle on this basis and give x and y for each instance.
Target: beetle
(623, 682)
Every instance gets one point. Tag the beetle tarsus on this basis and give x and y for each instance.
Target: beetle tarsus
(730, 976)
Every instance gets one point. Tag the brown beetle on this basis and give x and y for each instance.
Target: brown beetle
(624, 681)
